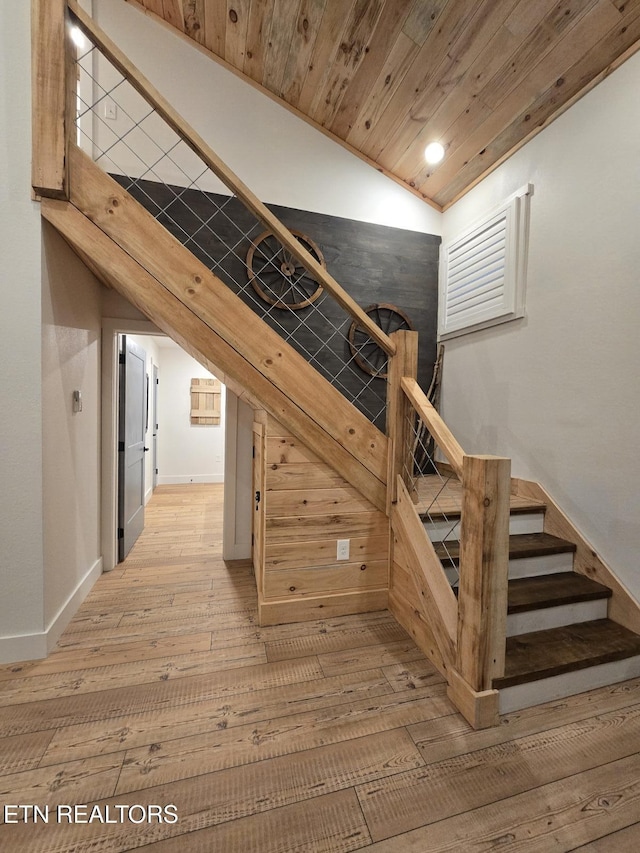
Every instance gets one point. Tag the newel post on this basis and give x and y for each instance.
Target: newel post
(484, 567)
(53, 97)
(403, 363)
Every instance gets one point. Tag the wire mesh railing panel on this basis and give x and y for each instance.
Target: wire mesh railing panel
(437, 495)
(132, 142)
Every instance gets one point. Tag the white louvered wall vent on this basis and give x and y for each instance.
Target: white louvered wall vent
(483, 270)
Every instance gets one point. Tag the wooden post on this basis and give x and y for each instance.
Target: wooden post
(403, 364)
(50, 87)
(484, 567)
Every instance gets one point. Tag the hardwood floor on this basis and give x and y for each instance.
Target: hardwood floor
(325, 736)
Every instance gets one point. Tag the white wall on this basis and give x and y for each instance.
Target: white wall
(21, 555)
(71, 332)
(558, 391)
(186, 452)
(281, 158)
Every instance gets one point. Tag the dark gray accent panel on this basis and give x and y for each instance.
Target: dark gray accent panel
(373, 263)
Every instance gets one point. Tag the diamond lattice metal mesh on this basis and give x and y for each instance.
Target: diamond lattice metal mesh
(437, 496)
(127, 137)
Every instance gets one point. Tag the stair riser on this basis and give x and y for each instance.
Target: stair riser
(554, 617)
(568, 684)
(548, 564)
(529, 566)
(440, 530)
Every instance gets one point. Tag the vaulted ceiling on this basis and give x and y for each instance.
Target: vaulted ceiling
(386, 77)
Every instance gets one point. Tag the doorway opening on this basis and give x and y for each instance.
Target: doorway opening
(163, 446)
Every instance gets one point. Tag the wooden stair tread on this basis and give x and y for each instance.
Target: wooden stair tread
(521, 545)
(543, 654)
(438, 499)
(553, 590)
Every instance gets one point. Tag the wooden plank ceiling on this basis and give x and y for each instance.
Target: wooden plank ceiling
(389, 76)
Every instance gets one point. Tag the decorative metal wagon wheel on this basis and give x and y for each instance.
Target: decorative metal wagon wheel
(278, 277)
(367, 354)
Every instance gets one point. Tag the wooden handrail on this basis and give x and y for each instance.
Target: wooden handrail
(229, 178)
(431, 419)
(404, 363)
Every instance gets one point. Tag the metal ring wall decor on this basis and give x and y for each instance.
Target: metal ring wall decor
(367, 354)
(278, 277)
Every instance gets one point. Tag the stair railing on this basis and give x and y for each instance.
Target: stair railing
(133, 132)
(465, 500)
(160, 160)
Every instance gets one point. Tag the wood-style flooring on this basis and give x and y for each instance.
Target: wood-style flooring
(324, 736)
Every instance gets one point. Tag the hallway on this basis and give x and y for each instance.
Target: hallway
(319, 736)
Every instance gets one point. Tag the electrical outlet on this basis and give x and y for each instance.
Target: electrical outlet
(343, 549)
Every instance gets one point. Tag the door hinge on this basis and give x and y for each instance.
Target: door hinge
(122, 358)
(252, 540)
(121, 446)
(257, 497)
(121, 533)
(253, 451)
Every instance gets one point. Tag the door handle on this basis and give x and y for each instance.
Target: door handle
(146, 449)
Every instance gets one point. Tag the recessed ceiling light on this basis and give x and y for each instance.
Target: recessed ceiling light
(77, 37)
(433, 153)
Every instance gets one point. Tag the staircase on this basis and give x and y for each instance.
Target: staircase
(560, 640)
(537, 616)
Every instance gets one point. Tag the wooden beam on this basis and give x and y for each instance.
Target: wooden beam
(443, 436)
(403, 363)
(623, 607)
(49, 98)
(176, 319)
(484, 568)
(229, 179)
(434, 596)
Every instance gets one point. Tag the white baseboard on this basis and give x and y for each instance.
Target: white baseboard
(23, 647)
(169, 480)
(73, 602)
(237, 551)
(39, 644)
(147, 496)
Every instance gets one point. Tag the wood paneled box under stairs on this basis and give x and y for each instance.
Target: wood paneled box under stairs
(303, 507)
(560, 637)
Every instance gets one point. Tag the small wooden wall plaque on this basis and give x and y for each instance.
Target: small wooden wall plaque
(205, 401)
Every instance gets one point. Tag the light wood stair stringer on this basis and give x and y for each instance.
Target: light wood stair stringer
(185, 300)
